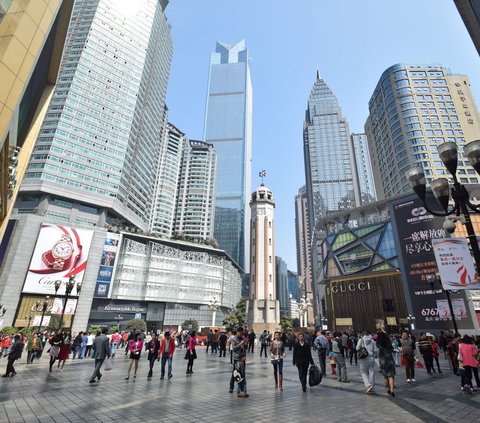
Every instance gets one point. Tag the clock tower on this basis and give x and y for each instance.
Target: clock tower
(263, 307)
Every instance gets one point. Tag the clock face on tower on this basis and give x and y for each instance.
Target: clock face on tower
(260, 211)
(62, 249)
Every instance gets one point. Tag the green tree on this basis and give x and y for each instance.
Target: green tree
(112, 329)
(190, 324)
(53, 323)
(286, 323)
(8, 330)
(136, 325)
(237, 317)
(94, 329)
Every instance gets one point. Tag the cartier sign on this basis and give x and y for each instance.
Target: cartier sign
(343, 287)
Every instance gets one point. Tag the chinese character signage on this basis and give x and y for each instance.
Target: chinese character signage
(455, 263)
(107, 265)
(415, 232)
(60, 252)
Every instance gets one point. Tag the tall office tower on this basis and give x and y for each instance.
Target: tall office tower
(281, 280)
(364, 169)
(32, 36)
(194, 213)
(470, 12)
(228, 126)
(413, 110)
(303, 246)
(168, 174)
(293, 284)
(330, 170)
(263, 305)
(95, 159)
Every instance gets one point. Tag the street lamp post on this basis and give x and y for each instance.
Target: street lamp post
(303, 306)
(441, 188)
(411, 322)
(432, 278)
(214, 304)
(324, 322)
(68, 290)
(43, 309)
(29, 317)
(117, 319)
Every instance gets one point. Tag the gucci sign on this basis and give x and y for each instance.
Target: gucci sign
(343, 287)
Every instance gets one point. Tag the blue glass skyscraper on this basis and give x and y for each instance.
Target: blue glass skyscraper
(228, 126)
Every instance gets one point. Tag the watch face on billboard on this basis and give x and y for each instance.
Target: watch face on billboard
(60, 252)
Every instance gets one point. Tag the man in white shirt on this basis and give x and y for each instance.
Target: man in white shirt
(91, 338)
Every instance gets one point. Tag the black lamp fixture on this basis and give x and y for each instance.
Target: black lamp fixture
(442, 190)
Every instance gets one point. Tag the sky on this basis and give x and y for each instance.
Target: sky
(351, 42)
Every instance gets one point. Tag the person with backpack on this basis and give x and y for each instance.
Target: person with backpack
(322, 346)
(339, 354)
(264, 343)
(367, 351)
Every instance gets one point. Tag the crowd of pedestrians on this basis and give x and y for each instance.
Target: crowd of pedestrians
(374, 352)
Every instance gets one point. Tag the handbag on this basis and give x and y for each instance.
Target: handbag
(362, 351)
(108, 364)
(403, 362)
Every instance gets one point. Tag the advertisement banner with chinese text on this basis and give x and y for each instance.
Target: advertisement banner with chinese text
(415, 229)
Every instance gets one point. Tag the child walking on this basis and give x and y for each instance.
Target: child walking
(240, 377)
(331, 356)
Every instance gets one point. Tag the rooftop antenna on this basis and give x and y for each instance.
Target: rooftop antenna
(262, 175)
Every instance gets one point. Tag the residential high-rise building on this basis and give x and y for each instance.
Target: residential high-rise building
(196, 191)
(330, 170)
(364, 168)
(281, 280)
(168, 174)
(96, 158)
(32, 36)
(413, 110)
(228, 126)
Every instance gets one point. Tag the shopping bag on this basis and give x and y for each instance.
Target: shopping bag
(419, 364)
(314, 376)
(402, 360)
(108, 364)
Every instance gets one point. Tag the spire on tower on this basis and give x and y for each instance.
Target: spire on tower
(318, 73)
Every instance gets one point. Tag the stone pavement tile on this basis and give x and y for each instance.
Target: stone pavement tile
(181, 398)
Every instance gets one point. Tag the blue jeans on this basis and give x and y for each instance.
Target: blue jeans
(81, 352)
(114, 347)
(165, 359)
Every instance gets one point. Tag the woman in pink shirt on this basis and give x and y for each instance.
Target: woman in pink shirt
(191, 353)
(466, 351)
(135, 347)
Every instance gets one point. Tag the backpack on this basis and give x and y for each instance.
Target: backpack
(362, 352)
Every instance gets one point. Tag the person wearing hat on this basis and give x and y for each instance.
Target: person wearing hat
(425, 348)
(167, 348)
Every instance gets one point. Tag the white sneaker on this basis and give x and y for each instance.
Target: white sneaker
(408, 380)
(413, 380)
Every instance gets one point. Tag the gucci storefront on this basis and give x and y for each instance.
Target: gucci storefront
(356, 304)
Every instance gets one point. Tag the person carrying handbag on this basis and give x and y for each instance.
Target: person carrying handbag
(407, 359)
(277, 354)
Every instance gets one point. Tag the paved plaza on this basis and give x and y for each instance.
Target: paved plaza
(34, 395)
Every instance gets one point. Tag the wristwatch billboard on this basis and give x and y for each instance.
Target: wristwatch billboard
(62, 250)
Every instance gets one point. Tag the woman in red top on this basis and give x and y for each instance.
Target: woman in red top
(466, 352)
(191, 353)
(436, 353)
(135, 347)
(65, 349)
